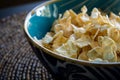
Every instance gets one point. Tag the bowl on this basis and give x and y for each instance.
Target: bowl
(39, 21)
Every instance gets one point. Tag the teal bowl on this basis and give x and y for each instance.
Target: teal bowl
(39, 21)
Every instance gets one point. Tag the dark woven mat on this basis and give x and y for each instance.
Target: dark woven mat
(17, 60)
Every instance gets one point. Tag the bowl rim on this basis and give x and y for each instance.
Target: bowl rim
(53, 54)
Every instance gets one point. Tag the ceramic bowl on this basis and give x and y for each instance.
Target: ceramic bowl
(39, 21)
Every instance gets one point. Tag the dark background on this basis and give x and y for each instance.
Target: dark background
(10, 3)
(10, 7)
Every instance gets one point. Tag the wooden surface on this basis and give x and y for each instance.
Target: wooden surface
(17, 60)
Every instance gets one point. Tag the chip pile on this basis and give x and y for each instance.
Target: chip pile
(94, 37)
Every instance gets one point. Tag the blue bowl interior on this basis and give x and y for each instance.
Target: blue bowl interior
(43, 16)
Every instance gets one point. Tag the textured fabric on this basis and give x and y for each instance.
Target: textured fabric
(17, 60)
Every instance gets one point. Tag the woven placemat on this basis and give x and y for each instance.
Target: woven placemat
(17, 60)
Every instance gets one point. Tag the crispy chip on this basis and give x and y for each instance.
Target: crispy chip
(59, 39)
(113, 33)
(92, 38)
(48, 38)
(108, 42)
(78, 31)
(68, 49)
(94, 44)
(94, 53)
(83, 41)
(109, 55)
(73, 17)
(83, 53)
(95, 13)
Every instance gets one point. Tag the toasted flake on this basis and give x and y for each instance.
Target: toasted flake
(93, 38)
(68, 49)
(95, 53)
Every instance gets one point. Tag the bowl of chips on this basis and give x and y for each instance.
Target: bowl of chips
(76, 39)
